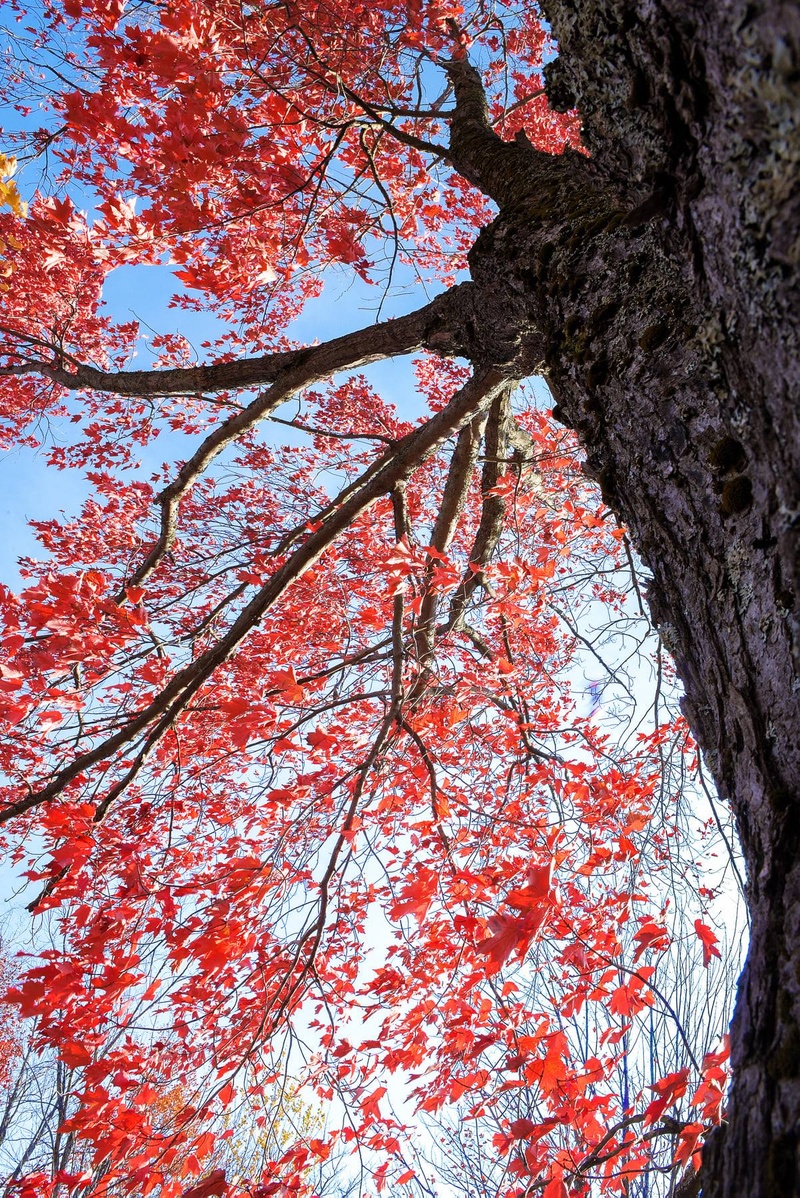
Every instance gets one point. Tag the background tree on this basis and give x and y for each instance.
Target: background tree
(406, 624)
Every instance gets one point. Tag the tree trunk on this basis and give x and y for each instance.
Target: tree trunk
(661, 274)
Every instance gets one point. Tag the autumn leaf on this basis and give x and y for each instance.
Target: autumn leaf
(536, 889)
(650, 935)
(708, 940)
(522, 1129)
(9, 195)
(555, 1188)
(668, 1090)
(688, 1142)
(509, 934)
(213, 1186)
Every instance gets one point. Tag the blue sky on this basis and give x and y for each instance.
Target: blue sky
(30, 489)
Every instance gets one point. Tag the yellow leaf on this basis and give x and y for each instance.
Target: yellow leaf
(8, 191)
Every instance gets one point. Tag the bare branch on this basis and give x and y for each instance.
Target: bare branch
(493, 510)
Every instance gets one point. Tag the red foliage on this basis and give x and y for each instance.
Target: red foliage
(341, 783)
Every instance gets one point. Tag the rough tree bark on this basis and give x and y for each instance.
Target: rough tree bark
(661, 274)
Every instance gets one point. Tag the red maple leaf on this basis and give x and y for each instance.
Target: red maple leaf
(708, 940)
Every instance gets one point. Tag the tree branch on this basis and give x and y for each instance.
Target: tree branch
(462, 464)
(513, 174)
(493, 509)
(303, 367)
(431, 327)
(394, 467)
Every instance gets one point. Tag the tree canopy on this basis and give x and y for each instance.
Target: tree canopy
(340, 747)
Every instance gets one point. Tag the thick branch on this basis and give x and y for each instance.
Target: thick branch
(514, 174)
(454, 497)
(493, 509)
(309, 366)
(432, 327)
(478, 153)
(380, 479)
